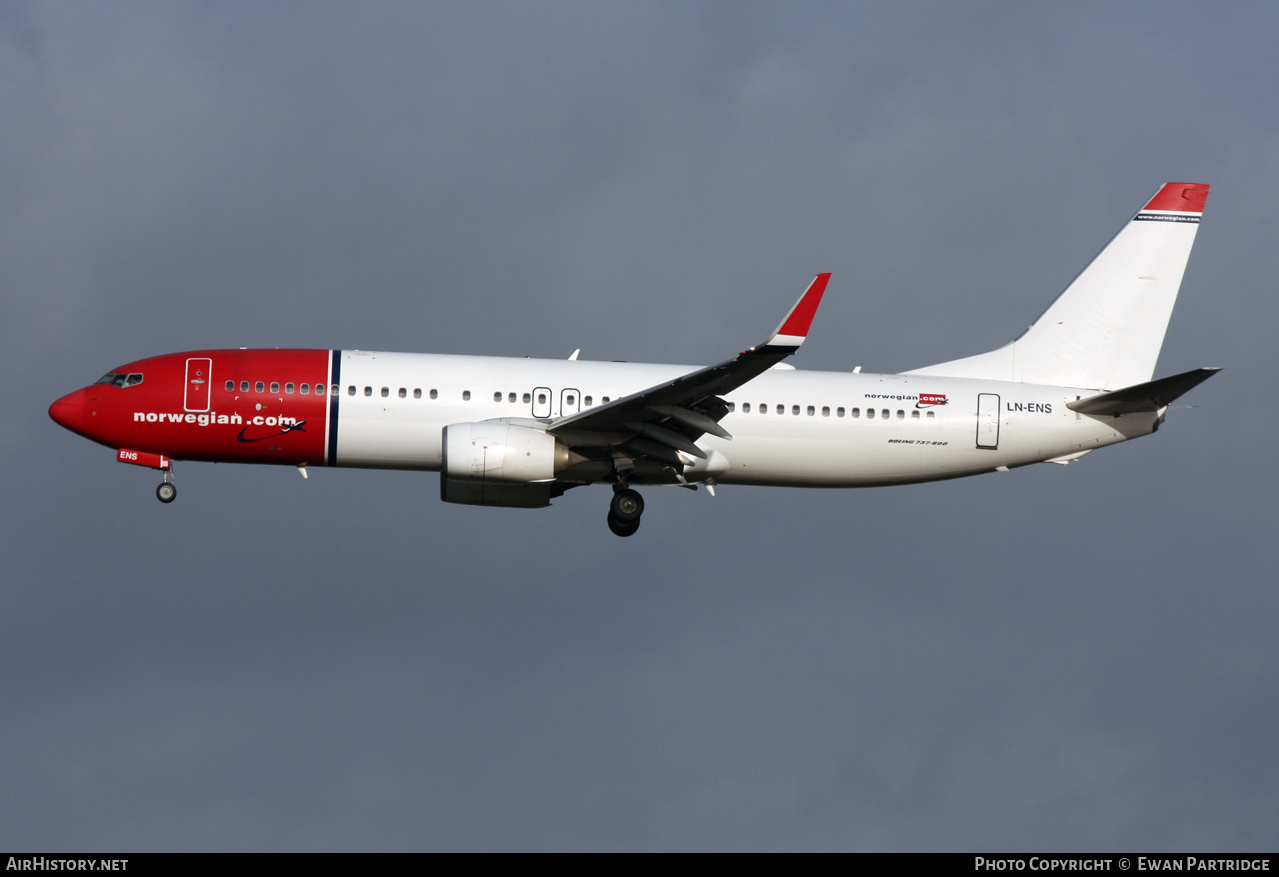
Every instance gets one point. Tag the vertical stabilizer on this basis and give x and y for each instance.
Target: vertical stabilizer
(1106, 329)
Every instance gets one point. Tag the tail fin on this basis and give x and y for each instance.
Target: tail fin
(1106, 329)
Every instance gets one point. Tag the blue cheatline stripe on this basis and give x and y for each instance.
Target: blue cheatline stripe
(334, 381)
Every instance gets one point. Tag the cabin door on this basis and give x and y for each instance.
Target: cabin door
(199, 371)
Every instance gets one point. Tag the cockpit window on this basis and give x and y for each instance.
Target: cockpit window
(121, 380)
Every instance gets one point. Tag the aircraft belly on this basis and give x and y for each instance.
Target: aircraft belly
(844, 456)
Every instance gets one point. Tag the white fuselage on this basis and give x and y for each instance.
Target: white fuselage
(789, 427)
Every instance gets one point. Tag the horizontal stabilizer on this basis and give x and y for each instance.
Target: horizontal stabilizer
(1150, 396)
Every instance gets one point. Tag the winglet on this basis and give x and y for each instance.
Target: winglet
(793, 329)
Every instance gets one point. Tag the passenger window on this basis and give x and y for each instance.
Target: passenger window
(350, 391)
(230, 386)
(528, 398)
(333, 390)
(932, 415)
(901, 415)
(856, 412)
(572, 400)
(510, 397)
(794, 409)
(417, 392)
(404, 394)
(746, 408)
(586, 400)
(541, 398)
(305, 389)
(781, 409)
(466, 395)
(275, 386)
(604, 401)
(244, 386)
(259, 386)
(368, 391)
(870, 413)
(732, 406)
(812, 411)
(435, 394)
(386, 392)
(839, 412)
(497, 397)
(883, 412)
(825, 411)
(288, 388)
(914, 415)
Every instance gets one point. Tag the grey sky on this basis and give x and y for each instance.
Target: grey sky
(1055, 658)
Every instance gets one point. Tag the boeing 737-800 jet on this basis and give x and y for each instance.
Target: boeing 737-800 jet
(520, 432)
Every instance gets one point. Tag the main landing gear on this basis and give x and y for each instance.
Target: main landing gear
(167, 491)
(624, 511)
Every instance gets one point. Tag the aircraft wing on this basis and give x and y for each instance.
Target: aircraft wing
(668, 418)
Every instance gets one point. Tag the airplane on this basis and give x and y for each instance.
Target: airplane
(519, 432)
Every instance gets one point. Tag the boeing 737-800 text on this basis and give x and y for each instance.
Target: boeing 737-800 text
(520, 432)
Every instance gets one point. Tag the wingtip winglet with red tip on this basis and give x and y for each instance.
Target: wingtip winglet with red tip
(794, 327)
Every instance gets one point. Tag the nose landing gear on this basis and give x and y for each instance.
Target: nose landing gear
(624, 511)
(167, 491)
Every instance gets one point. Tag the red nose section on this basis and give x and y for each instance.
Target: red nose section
(69, 411)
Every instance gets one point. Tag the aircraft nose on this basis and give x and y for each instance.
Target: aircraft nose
(68, 411)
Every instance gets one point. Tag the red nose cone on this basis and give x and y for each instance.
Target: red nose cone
(69, 411)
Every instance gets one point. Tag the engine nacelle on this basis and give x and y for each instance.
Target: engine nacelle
(500, 452)
(537, 495)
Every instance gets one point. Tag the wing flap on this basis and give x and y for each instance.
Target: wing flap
(694, 419)
(668, 437)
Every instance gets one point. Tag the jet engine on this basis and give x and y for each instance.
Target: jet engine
(496, 451)
(498, 464)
